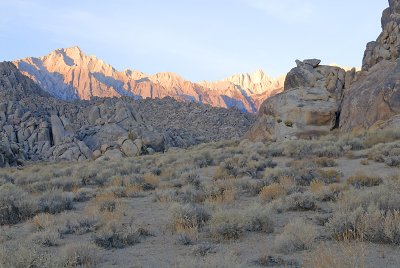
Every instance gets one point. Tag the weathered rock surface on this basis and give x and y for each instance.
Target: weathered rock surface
(317, 99)
(35, 126)
(374, 97)
(69, 74)
(309, 105)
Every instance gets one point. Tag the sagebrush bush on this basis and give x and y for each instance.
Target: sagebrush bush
(271, 261)
(68, 223)
(55, 201)
(116, 235)
(366, 213)
(300, 177)
(22, 255)
(186, 194)
(345, 255)
(203, 249)
(220, 193)
(230, 224)
(210, 261)
(42, 221)
(272, 191)
(84, 194)
(80, 255)
(247, 186)
(383, 136)
(203, 159)
(48, 238)
(386, 153)
(15, 204)
(105, 202)
(300, 202)
(304, 148)
(362, 180)
(328, 176)
(321, 191)
(187, 216)
(297, 235)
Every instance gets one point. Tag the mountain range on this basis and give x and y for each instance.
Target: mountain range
(70, 74)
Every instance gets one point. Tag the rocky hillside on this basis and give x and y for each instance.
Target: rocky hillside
(35, 126)
(69, 74)
(373, 101)
(318, 99)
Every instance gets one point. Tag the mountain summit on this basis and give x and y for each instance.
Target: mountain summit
(69, 74)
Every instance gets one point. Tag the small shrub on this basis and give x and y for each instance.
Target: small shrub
(226, 225)
(248, 187)
(272, 261)
(272, 191)
(393, 161)
(151, 179)
(45, 238)
(321, 191)
(20, 255)
(383, 136)
(75, 224)
(230, 224)
(187, 194)
(210, 261)
(392, 227)
(84, 194)
(289, 123)
(15, 204)
(328, 176)
(221, 174)
(184, 239)
(105, 202)
(220, 193)
(80, 255)
(297, 235)
(192, 178)
(187, 216)
(43, 221)
(115, 235)
(55, 202)
(345, 255)
(204, 159)
(300, 202)
(386, 153)
(203, 249)
(362, 180)
(324, 162)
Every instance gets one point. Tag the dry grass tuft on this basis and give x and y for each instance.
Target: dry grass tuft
(360, 179)
(272, 191)
(344, 255)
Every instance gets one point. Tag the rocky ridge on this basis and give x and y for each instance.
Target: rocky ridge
(70, 74)
(318, 99)
(36, 126)
(373, 101)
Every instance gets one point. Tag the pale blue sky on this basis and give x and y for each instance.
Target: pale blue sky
(199, 39)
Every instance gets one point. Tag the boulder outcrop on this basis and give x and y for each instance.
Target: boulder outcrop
(309, 105)
(317, 99)
(36, 126)
(374, 98)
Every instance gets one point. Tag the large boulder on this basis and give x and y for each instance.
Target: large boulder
(57, 128)
(309, 105)
(375, 95)
(129, 148)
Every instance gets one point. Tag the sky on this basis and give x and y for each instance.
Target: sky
(198, 39)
